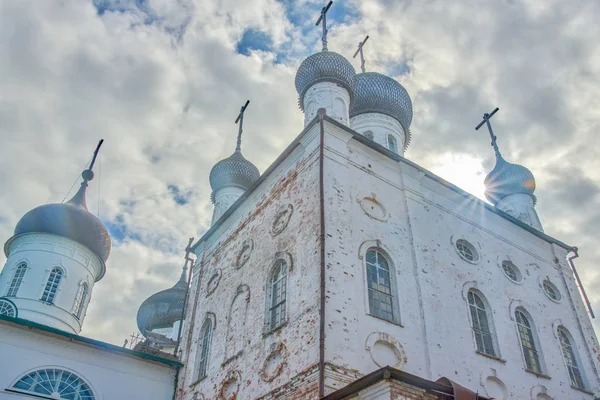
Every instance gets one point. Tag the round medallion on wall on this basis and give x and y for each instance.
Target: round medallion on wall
(213, 282)
(244, 253)
(385, 350)
(373, 208)
(230, 386)
(495, 388)
(274, 363)
(282, 219)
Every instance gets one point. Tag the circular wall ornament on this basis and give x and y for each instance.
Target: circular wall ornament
(8, 308)
(213, 282)
(551, 290)
(244, 253)
(495, 388)
(282, 219)
(373, 208)
(274, 363)
(230, 386)
(385, 350)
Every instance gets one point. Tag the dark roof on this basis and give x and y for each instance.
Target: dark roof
(401, 376)
(163, 309)
(82, 339)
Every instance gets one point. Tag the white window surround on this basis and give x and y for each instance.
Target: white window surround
(550, 290)
(52, 284)
(480, 323)
(473, 246)
(17, 279)
(204, 345)
(81, 300)
(571, 358)
(473, 286)
(51, 381)
(528, 335)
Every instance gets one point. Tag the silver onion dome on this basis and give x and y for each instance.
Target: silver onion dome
(163, 309)
(325, 66)
(377, 93)
(506, 179)
(71, 220)
(234, 170)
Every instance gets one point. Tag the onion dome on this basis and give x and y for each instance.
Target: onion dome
(71, 220)
(506, 179)
(325, 66)
(234, 170)
(377, 93)
(163, 309)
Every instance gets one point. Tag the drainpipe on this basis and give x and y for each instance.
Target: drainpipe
(321, 114)
(579, 284)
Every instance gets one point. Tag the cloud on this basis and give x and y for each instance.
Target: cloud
(162, 82)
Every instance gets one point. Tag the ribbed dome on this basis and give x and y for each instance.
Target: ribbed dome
(162, 309)
(71, 220)
(375, 92)
(325, 66)
(233, 170)
(506, 179)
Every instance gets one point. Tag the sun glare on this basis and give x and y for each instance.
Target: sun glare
(463, 170)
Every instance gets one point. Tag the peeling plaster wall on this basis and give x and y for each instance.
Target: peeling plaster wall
(416, 221)
(263, 362)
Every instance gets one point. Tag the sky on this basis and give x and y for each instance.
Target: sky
(162, 82)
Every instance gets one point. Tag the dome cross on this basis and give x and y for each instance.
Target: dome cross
(486, 120)
(323, 17)
(362, 56)
(240, 119)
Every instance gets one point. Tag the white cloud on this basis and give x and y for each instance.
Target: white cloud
(163, 85)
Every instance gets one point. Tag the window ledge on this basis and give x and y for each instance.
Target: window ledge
(233, 357)
(197, 381)
(386, 320)
(582, 390)
(491, 357)
(278, 327)
(538, 374)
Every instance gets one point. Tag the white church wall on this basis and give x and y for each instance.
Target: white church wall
(280, 219)
(417, 221)
(42, 252)
(111, 375)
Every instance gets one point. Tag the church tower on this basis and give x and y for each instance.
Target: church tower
(56, 255)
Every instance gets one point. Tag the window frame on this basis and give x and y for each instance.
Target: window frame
(394, 143)
(61, 370)
(11, 304)
(48, 286)
(270, 308)
(491, 332)
(533, 338)
(469, 246)
(80, 300)
(394, 295)
(574, 355)
(205, 341)
(17, 279)
(369, 134)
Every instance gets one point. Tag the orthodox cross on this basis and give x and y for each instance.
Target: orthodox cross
(240, 119)
(362, 56)
(188, 250)
(486, 120)
(323, 18)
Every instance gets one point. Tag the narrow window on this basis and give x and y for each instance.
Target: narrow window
(52, 285)
(80, 300)
(369, 135)
(204, 350)
(379, 286)
(392, 144)
(530, 353)
(568, 351)
(481, 325)
(15, 283)
(277, 295)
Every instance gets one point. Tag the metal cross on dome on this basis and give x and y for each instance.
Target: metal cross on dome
(362, 56)
(240, 119)
(486, 120)
(323, 18)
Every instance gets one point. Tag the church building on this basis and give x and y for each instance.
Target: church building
(343, 271)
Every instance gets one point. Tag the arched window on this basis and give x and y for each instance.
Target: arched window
(379, 285)
(392, 144)
(203, 351)
(52, 285)
(80, 300)
(54, 383)
(570, 356)
(8, 308)
(528, 345)
(481, 324)
(15, 283)
(276, 296)
(368, 135)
